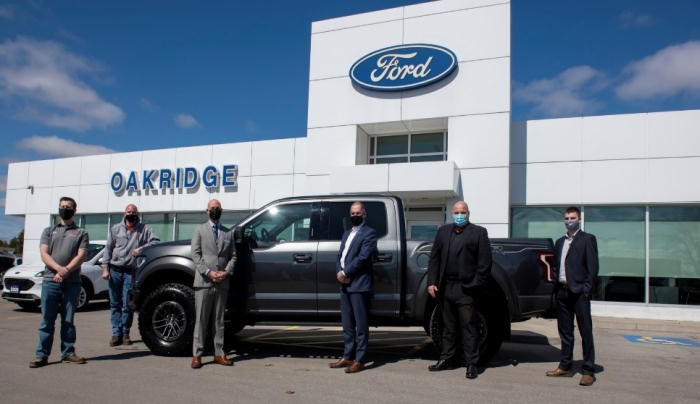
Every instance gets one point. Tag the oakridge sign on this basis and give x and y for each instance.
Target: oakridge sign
(178, 178)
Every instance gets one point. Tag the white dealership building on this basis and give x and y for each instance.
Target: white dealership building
(416, 101)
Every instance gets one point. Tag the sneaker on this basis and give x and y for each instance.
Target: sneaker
(115, 340)
(38, 362)
(126, 340)
(73, 358)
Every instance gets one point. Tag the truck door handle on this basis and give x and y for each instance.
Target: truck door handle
(386, 257)
(302, 258)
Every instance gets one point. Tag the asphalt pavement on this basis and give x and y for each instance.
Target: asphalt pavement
(637, 361)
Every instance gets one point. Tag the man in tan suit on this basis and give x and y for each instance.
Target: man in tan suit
(214, 255)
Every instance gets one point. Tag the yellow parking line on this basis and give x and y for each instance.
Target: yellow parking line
(294, 327)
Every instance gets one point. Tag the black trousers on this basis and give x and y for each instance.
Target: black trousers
(568, 305)
(458, 311)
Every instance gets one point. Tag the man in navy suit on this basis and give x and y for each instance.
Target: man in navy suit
(576, 270)
(354, 272)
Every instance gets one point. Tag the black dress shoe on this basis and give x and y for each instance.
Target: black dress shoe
(442, 364)
(472, 372)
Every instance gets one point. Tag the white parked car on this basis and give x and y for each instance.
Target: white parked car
(22, 284)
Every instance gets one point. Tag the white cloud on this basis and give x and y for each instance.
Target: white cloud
(570, 92)
(186, 121)
(671, 71)
(44, 77)
(634, 19)
(7, 12)
(54, 146)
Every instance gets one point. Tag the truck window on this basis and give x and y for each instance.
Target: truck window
(281, 224)
(339, 218)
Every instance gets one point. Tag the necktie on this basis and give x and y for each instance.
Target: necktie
(215, 229)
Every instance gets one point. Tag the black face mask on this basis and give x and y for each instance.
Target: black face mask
(356, 220)
(66, 213)
(215, 213)
(132, 218)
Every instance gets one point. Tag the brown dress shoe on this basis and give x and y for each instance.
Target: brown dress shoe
(196, 362)
(587, 380)
(221, 360)
(342, 363)
(355, 367)
(558, 372)
(126, 340)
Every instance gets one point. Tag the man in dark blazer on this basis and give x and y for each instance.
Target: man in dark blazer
(459, 267)
(214, 255)
(354, 272)
(576, 270)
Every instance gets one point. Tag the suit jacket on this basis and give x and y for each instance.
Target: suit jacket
(358, 261)
(473, 255)
(581, 262)
(211, 253)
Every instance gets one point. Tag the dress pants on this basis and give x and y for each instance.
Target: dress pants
(458, 311)
(210, 305)
(568, 305)
(354, 309)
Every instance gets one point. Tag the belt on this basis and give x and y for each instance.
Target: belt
(119, 268)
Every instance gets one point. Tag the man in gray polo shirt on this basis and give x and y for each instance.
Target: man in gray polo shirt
(125, 241)
(63, 248)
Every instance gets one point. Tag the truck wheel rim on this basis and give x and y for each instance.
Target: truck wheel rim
(169, 321)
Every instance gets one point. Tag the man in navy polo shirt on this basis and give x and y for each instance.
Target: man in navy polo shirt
(63, 249)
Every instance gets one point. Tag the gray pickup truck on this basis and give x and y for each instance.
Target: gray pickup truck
(286, 271)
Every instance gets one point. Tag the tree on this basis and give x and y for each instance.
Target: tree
(18, 243)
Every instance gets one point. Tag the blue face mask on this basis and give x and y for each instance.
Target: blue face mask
(460, 219)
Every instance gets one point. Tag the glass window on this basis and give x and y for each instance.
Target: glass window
(161, 223)
(186, 223)
(536, 222)
(281, 224)
(387, 160)
(95, 225)
(423, 232)
(674, 254)
(427, 143)
(339, 218)
(115, 218)
(392, 145)
(620, 232)
(434, 157)
(93, 249)
(231, 219)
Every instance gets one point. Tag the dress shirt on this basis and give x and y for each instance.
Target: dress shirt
(351, 237)
(564, 253)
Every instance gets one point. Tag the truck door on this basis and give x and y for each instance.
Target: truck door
(386, 288)
(284, 256)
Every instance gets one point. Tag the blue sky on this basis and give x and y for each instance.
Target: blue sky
(82, 77)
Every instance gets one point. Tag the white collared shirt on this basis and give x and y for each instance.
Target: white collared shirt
(351, 237)
(564, 253)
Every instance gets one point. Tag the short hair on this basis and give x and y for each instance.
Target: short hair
(362, 205)
(68, 199)
(572, 209)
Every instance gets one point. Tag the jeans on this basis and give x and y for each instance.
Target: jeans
(121, 315)
(57, 297)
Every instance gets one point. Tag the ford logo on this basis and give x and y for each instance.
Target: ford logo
(403, 67)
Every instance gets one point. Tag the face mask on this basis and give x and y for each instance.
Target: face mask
(460, 219)
(572, 224)
(132, 218)
(66, 213)
(356, 220)
(215, 213)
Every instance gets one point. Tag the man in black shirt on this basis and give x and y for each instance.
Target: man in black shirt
(460, 263)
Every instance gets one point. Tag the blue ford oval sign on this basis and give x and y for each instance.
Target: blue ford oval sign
(403, 67)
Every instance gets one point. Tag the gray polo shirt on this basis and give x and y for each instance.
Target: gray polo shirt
(63, 243)
(122, 240)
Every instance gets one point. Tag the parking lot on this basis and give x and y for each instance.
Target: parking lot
(289, 363)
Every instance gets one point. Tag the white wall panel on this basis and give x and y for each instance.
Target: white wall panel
(40, 201)
(424, 176)
(373, 17)
(553, 183)
(198, 157)
(491, 25)
(613, 137)
(71, 191)
(444, 6)
(549, 140)
(613, 181)
(476, 88)
(16, 201)
(479, 140)
(267, 188)
(189, 200)
(486, 192)
(17, 175)
(117, 203)
(300, 155)
(94, 198)
(235, 200)
(363, 178)
(67, 171)
(34, 225)
(317, 185)
(496, 230)
(330, 147)
(331, 59)
(30, 254)
(95, 169)
(672, 134)
(41, 173)
(673, 180)
(335, 102)
(273, 157)
(299, 185)
(234, 153)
